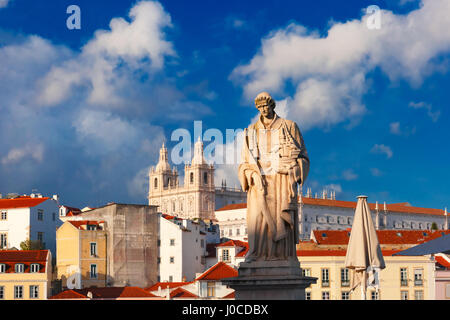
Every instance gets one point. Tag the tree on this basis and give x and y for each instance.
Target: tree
(31, 245)
(434, 226)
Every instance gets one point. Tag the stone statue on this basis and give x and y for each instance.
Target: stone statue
(274, 161)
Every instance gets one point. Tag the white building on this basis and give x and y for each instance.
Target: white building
(329, 214)
(182, 247)
(197, 197)
(31, 217)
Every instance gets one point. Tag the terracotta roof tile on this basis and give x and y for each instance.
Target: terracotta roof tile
(27, 257)
(164, 285)
(337, 253)
(105, 293)
(21, 202)
(230, 295)
(341, 237)
(442, 261)
(218, 271)
(394, 207)
(182, 293)
(80, 223)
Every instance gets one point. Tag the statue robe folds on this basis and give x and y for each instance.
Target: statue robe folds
(274, 160)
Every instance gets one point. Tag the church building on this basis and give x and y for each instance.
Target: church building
(197, 197)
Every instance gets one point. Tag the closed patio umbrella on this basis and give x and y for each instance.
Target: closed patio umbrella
(363, 251)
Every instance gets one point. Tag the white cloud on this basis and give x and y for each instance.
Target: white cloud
(3, 3)
(382, 149)
(376, 172)
(101, 67)
(434, 115)
(394, 128)
(329, 73)
(349, 175)
(333, 187)
(33, 151)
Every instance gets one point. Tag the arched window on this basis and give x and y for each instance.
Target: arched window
(205, 178)
(156, 183)
(191, 177)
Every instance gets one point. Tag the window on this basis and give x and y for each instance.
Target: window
(306, 272)
(325, 295)
(325, 277)
(404, 277)
(374, 295)
(202, 243)
(18, 292)
(3, 240)
(211, 286)
(2, 267)
(53, 216)
(238, 231)
(2, 292)
(191, 177)
(4, 215)
(172, 242)
(172, 259)
(40, 237)
(345, 295)
(403, 295)
(418, 277)
(170, 278)
(19, 268)
(230, 232)
(245, 230)
(159, 260)
(345, 279)
(34, 268)
(155, 184)
(225, 255)
(40, 215)
(34, 292)
(91, 227)
(173, 206)
(205, 178)
(308, 295)
(93, 271)
(93, 249)
(418, 295)
(158, 242)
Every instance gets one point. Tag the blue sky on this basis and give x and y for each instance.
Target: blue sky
(84, 112)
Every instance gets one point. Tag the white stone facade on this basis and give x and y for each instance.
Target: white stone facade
(38, 222)
(182, 248)
(327, 214)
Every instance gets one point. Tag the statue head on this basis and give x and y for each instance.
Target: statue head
(265, 104)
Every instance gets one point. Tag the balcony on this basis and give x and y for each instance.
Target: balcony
(325, 283)
(418, 282)
(345, 283)
(404, 282)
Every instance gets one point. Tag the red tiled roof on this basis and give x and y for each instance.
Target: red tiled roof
(182, 293)
(72, 213)
(341, 237)
(442, 261)
(394, 207)
(337, 253)
(233, 206)
(164, 285)
(68, 294)
(80, 223)
(12, 257)
(105, 293)
(230, 295)
(232, 243)
(21, 202)
(218, 271)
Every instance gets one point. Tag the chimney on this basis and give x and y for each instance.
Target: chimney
(324, 194)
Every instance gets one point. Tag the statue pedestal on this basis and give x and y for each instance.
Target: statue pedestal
(270, 280)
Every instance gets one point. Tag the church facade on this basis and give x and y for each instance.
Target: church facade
(197, 197)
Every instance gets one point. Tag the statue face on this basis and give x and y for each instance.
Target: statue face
(266, 110)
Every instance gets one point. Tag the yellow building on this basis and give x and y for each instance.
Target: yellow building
(25, 274)
(81, 254)
(404, 278)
